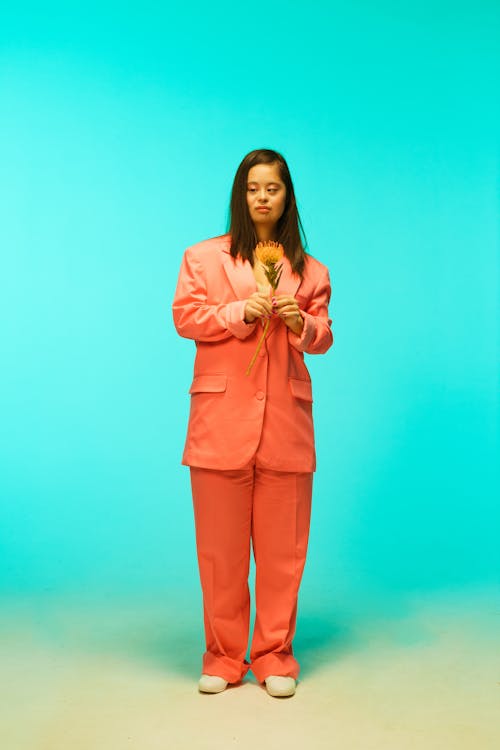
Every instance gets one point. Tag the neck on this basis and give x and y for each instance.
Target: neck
(264, 234)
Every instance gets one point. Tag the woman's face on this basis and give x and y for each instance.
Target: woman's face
(266, 196)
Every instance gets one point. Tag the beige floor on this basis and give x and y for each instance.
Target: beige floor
(109, 677)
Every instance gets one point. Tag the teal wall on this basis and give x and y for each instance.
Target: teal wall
(121, 127)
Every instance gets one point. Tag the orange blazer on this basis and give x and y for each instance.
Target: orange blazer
(268, 414)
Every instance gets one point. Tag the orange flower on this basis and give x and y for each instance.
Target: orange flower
(269, 252)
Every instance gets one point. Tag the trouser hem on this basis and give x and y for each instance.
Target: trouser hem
(223, 666)
(275, 663)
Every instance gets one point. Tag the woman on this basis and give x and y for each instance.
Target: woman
(250, 441)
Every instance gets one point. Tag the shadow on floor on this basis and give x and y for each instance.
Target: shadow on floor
(168, 635)
(319, 639)
(175, 641)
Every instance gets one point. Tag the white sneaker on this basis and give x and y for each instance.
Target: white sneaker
(210, 683)
(279, 686)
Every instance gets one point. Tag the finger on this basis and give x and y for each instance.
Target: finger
(284, 301)
(291, 319)
(279, 302)
(260, 296)
(260, 300)
(259, 311)
(289, 310)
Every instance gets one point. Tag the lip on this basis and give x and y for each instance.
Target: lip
(263, 209)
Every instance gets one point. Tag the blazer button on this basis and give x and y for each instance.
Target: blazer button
(260, 395)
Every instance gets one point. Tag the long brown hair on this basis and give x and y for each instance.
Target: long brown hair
(289, 230)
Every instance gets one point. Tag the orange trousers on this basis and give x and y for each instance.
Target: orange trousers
(272, 509)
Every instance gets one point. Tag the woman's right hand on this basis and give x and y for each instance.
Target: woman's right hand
(257, 306)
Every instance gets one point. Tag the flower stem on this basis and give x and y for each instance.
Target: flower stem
(261, 341)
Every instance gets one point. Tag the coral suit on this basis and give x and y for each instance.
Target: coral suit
(250, 448)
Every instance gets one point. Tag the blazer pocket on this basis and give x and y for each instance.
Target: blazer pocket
(208, 384)
(301, 389)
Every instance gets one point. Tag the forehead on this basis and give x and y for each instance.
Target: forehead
(265, 173)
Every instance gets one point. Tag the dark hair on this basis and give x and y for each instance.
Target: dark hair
(289, 230)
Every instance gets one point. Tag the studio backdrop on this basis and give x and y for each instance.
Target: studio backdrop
(121, 128)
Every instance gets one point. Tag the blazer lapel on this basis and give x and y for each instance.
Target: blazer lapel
(289, 282)
(240, 275)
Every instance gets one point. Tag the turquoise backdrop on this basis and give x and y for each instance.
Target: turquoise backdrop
(121, 127)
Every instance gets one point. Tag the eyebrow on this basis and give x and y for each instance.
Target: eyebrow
(256, 182)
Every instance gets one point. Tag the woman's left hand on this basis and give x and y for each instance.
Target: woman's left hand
(287, 308)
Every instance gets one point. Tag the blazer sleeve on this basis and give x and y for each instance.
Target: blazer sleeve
(316, 336)
(194, 318)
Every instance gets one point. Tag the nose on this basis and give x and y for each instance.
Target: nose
(262, 196)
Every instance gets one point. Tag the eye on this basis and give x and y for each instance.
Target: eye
(273, 190)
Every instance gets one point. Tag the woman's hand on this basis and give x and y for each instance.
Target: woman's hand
(288, 310)
(257, 306)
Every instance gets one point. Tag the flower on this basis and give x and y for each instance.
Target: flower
(269, 254)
